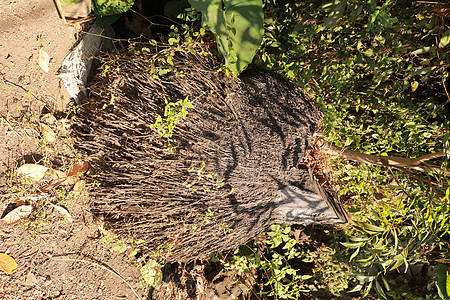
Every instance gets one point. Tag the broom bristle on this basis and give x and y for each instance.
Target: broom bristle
(231, 153)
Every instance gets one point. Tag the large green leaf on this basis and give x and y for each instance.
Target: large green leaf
(238, 25)
(103, 8)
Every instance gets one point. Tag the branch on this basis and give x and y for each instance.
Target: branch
(388, 161)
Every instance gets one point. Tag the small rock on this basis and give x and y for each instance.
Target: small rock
(30, 279)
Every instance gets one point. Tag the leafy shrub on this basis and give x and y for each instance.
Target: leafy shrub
(276, 266)
(378, 70)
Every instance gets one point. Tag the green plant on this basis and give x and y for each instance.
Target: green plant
(121, 245)
(270, 266)
(38, 219)
(238, 26)
(103, 8)
(62, 195)
(332, 274)
(151, 273)
(161, 58)
(173, 111)
(108, 12)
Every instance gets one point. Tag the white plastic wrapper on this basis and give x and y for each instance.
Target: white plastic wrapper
(77, 65)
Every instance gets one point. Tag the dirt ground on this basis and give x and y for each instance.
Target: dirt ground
(25, 89)
(57, 259)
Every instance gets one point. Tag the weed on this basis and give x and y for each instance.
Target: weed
(38, 219)
(271, 266)
(173, 111)
(151, 273)
(121, 245)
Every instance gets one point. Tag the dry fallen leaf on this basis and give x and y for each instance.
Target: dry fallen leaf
(78, 168)
(7, 263)
(79, 187)
(57, 174)
(64, 212)
(44, 60)
(30, 279)
(69, 178)
(17, 214)
(32, 172)
(66, 180)
(48, 134)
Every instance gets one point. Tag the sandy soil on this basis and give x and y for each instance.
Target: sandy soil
(57, 259)
(25, 89)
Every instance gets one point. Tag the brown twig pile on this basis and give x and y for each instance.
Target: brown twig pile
(239, 144)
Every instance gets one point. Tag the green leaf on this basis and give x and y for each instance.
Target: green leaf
(356, 288)
(445, 39)
(369, 227)
(365, 278)
(414, 85)
(400, 260)
(446, 147)
(447, 285)
(443, 280)
(352, 245)
(385, 20)
(336, 12)
(364, 260)
(357, 11)
(386, 283)
(238, 26)
(369, 287)
(107, 20)
(394, 233)
(354, 254)
(134, 252)
(379, 289)
(369, 53)
(423, 71)
(385, 264)
(102, 8)
(306, 277)
(358, 239)
(423, 50)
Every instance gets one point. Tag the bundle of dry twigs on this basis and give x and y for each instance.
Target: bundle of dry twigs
(214, 189)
